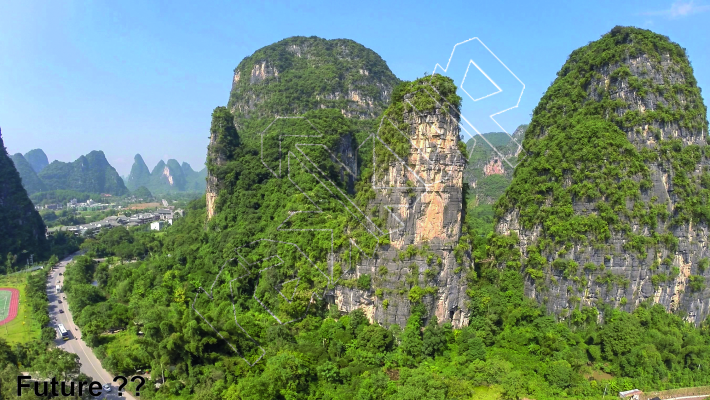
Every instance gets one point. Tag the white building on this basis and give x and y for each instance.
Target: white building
(157, 225)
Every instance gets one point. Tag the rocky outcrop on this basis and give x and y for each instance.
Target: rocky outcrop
(167, 177)
(657, 246)
(494, 167)
(296, 75)
(421, 199)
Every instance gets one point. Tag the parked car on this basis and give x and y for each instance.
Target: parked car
(107, 387)
(61, 311)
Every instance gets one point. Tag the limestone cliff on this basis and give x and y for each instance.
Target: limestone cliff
(609, 202)
(296, 75)
(420, 197)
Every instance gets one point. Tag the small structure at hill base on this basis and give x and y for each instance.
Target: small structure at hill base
(634, 394)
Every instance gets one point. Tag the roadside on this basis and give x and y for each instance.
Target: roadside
(59, 313)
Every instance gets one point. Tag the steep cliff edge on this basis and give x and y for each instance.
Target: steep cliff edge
(417, 178)
(22, 231)
(609, 202)
(291, 77)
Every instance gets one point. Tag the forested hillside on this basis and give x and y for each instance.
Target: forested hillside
(30, 180)
(22, 231)
(242, 305)
(90, 174)
(489, 171)
(610, 203)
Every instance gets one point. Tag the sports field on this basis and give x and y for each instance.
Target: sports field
(9, 302)
(21, 328)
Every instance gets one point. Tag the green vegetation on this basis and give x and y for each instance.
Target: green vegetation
(37, 159)
(127, 244)
(142, 192)
(592, 148)
(90, 173)
(30, 180)
(29, 347)
(62, 197)
(182, 178)
(27, 326)
(22, 231)
(511, 347)
(299, 74)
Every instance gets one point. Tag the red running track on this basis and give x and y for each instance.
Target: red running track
(14, 305)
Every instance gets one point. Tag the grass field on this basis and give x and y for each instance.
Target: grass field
(5, 296)
(143, 206)
(15, 331)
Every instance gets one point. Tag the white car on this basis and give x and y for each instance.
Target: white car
(107, 387)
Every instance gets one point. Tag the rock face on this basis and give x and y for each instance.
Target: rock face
(166, 177)
(494, 167)
(296, 75)
(30, 180)
(421, 199)
(21, 227)
(632, 111)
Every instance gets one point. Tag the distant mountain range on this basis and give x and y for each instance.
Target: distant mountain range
(166, 177)
(92, 173)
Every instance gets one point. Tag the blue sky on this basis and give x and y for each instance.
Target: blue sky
(143, 77)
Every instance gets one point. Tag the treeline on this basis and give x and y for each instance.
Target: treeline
(128, 244)
(511, 347)
(61, 244)
(62, 197)
(37, 300)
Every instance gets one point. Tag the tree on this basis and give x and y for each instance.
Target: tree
(514, 385)
(53, 260)
(101, 275)
(412, 344)
(434, 342)
(559, 374)
(476, 349)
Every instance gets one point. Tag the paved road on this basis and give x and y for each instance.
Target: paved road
(90, 365)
